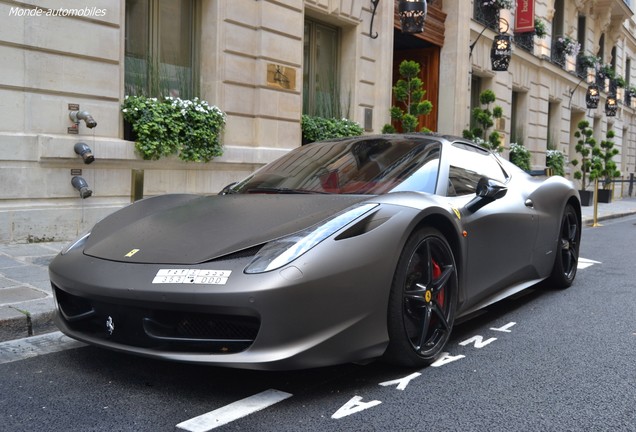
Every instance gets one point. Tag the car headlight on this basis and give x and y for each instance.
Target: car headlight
(281, 252)
(80, 241)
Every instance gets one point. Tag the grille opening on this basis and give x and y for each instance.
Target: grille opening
(168, 330)
(73, 308)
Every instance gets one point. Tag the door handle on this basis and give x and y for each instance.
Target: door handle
(529, 203)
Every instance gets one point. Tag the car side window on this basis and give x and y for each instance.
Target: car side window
(468, 164)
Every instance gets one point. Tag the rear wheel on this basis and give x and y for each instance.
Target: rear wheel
(567, 256)
(422, 300)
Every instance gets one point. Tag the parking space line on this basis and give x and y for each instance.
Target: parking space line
(233, 411)
(585, 263)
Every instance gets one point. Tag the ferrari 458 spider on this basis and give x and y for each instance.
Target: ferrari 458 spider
(340, 251)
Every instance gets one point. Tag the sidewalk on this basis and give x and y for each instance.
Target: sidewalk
(26, 302)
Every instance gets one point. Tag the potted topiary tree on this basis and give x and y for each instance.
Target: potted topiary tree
(483, 116)
(608, 170)
(409, 93)
(589, 166)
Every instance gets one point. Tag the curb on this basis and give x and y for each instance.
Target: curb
(16, 323)
(589, 221)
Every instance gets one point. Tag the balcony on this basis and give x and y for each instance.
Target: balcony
(620, 9)
(525, 41)
(488, 16)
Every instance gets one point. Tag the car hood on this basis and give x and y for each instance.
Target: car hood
(190, 229)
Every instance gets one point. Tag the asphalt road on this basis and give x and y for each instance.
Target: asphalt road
(542, 361)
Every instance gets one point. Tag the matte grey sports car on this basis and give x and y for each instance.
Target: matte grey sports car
(340, 251)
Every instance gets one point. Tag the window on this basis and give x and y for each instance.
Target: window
(471, 163)
(558, 25)
(357, 165)
(160, 48)
(601, 48)
(321, 92)
(580, 32)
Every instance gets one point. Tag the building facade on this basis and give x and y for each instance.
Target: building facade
(265, 63)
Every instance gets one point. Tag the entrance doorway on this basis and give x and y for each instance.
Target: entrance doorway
(410, 47)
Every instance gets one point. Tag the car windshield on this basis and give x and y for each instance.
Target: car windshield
(350, 166)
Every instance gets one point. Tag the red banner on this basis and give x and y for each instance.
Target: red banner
(524, 16)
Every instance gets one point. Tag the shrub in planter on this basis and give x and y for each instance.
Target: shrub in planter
(319, 128)
(520, 156)
(555, 160)
(163, 127)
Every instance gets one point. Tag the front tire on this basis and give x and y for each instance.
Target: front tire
(422, 300)
(567, 256)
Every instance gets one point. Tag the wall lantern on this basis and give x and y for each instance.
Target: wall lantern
(412, 15)
(592, 97)
(501, 52)
(611, 106)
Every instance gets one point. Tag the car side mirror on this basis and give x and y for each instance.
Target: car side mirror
(487, 191)
(490, 189)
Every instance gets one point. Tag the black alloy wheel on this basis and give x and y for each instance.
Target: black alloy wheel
(422, 301)
(567, 256)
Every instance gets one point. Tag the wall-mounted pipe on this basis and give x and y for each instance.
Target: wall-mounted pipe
(76, 116)
(85, 152)
(80, 184)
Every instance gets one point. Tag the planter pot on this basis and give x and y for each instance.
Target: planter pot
(129, 133)
(587, 198)
(604, 196)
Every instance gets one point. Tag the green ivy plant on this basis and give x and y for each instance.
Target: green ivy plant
(483, 117)
(606, 154)
(607, 71)
(409, 93)
(587, 147)
(189, 128)
(540, 30)
(316, 128)
(589, 61)
(556, 160)
(520, 156)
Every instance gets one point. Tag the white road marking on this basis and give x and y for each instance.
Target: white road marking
(36, 345)
(446, 358)
(354, 405)
(585, 263)
(478, 341)
(233, 411)
(504, 328)
(402, 382)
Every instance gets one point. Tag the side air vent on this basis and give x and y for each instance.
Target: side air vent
(363, 226)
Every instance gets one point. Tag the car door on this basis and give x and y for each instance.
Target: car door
(499, 235)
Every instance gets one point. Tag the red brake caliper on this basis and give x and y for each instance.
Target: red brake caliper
(437, 272)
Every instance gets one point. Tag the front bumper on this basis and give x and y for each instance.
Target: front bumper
(327, 308)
